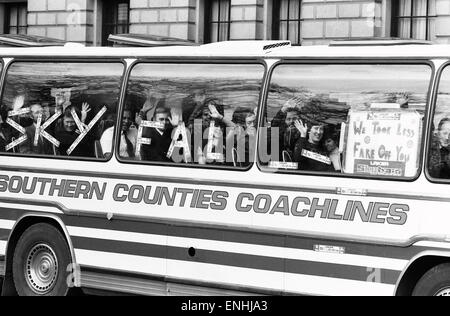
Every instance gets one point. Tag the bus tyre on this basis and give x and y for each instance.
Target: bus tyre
(40, 262)
(436, 282)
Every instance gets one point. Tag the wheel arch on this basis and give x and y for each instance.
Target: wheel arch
(28, 220)
(417, 267)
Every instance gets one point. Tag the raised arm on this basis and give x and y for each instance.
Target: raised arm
(216, 115)
(301, 141)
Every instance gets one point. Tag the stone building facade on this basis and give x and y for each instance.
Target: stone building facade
(310, 21)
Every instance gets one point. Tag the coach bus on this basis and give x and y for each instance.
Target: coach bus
(233, 168)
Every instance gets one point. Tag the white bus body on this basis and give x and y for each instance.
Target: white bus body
(174, 230)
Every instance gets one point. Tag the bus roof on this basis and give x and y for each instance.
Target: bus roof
(238, 49)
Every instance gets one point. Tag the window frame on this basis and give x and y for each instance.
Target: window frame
(106, 25)
(193, 61)
(209, 22)
(396, 18)
(7, 22)
(432, 111)
(50, 59)
(276, 21)
(354, 61)
(2, 76)
(1, 72)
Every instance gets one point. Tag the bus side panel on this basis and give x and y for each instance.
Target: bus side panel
(221, 234)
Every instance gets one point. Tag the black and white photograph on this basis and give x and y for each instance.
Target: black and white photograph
(224, 153)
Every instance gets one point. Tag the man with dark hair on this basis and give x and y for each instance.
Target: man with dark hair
(285, 120)
(161, 137)
(128, 137)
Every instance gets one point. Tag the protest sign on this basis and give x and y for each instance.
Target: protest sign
(383, 143)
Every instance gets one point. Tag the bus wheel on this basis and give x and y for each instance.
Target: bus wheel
(40, 262)
(436, 282)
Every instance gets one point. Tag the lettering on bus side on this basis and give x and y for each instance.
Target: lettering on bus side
(372, 212)
(375, 212)
(67, 188)
(194, 198)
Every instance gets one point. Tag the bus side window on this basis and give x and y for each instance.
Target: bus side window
(202, 114)
(363, 120)
(439, 146)
(59, 108)
(3, 118)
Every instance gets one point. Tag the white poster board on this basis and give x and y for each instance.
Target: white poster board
(383, 142)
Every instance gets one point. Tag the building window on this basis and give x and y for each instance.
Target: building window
(217, 19)
(16, 18)
(116, 19)
(286, 20)
(414, 19)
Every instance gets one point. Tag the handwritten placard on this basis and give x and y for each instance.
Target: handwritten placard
(383, 143)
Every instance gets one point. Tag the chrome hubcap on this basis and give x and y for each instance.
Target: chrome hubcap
(444, 292)
(41, 269)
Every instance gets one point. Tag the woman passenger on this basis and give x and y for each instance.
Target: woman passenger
(309, 152)
(68, 134)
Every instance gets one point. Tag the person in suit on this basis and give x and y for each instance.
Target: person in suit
(161, 138)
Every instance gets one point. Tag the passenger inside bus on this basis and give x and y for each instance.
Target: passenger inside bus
(284, 121)
(128, 137)
(154, 100)
(439, 161)
(191, 102)
(200, 122)
(309, 152)
(68, 134)
(237, 134)
(43, 146)
(242, 136)
(160, 137)
(331, 144)
(305, 136)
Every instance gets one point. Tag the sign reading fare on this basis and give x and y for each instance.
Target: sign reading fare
(383, 143)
